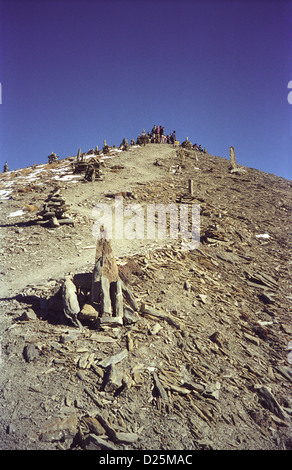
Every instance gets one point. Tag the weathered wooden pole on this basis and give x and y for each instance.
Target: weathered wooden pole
(106, 291)
(71, 306)
(112, 301)
(191, 187)
(233, 164)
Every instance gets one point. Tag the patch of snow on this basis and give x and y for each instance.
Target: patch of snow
(30, 178)
(16, 213)
(56, 170)
(8, 183)
(37, 170)
(90, 155)
(263, 235)
(107, 156)
(4, 194)
(67, 178)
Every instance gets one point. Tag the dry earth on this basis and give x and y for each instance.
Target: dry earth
(211, 371)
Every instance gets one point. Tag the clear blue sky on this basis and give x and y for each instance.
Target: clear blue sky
(76, 72)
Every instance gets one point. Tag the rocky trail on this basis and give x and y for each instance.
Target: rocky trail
(205, 360)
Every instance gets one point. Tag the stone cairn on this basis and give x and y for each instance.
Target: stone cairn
(124, 145)
(106, 148)
(108, 302)
(54, 211)
(52, 157)
(91, 168)
(143, 139)
(186, 144)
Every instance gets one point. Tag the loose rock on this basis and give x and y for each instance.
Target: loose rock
(30, 353)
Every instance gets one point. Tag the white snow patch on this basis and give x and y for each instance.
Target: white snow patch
(16, 213)
(263, 235)
(8, 183)
(107, 156)
(67, 178)
(4, 194)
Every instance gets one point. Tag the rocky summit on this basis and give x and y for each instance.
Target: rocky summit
(117, 336)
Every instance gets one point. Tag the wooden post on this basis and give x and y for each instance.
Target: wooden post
(106, 304)
(106, 290)
(70, 301)
(233, 163)
(129, 297)
(191, 187)
(96, 283)
(117, 298)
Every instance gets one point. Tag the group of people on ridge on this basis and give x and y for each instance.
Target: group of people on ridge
(157, 136)
(199, 148)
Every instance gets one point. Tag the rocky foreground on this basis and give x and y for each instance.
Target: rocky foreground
(203, 361)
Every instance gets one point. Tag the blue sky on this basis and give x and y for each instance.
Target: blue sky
(74, 73)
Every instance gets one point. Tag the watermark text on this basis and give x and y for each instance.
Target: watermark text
(289, 97)
(152, 221)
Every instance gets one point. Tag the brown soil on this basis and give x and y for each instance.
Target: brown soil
(193, 378)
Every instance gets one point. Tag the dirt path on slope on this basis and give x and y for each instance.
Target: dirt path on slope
(33, 255)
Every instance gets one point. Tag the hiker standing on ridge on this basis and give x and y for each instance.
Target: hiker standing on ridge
(173, 138)
(5, 169)
(157, 134)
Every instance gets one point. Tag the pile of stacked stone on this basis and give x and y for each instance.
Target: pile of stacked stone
(54, 211)
(124, 145)
(106, 148)
(53, 157)
(90, 168)
(186, 144)
(143, 139)
(93, 151)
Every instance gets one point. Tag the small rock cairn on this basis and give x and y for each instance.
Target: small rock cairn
(54, 211)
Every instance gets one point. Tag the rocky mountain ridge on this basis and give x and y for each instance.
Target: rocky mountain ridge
(207, 365)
